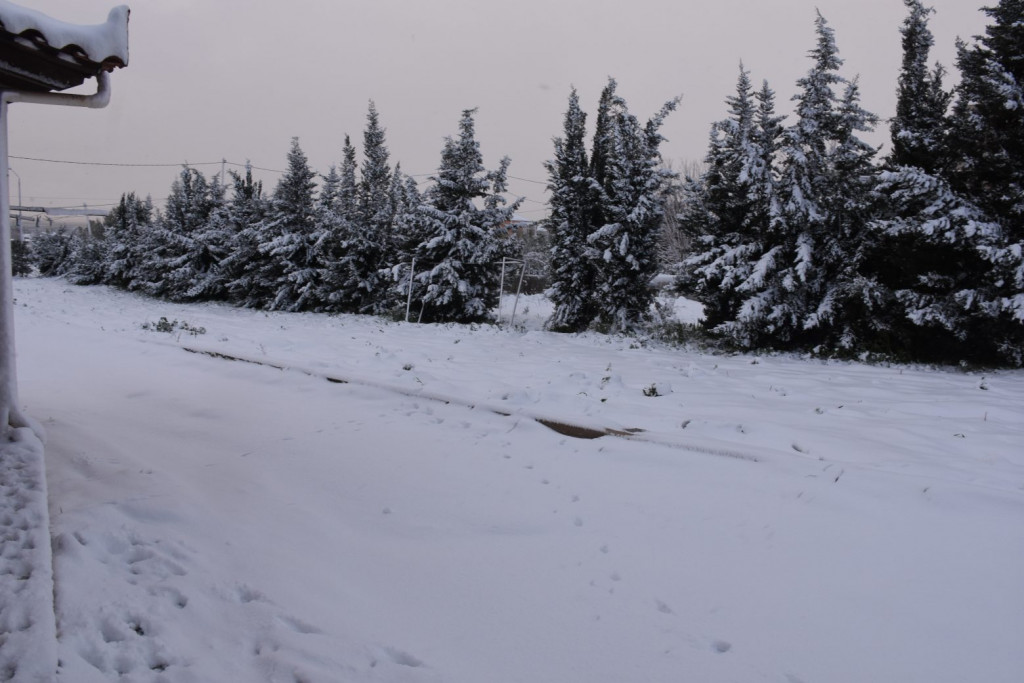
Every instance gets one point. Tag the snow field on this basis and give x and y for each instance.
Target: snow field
(217, 520)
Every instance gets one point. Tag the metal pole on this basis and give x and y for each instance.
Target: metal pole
(408, 301)
(8, 377)
(519, 288)
(501, 287)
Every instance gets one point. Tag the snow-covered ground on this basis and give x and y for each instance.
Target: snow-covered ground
(759, 519)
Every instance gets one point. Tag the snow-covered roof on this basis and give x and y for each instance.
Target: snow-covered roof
(38, 52)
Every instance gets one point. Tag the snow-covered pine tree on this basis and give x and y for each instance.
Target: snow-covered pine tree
(124, 231)
(212, 244)
(851, 310)
(330, 185)
(336, 215)
(348, 189)
(329, 232)
(919, 127)
(407, 237)
(457, 263)
(726, 184)
(573, 263)
(723, 206)
(987, 148)
(802, 286)
(929, 256)
(247, 209)
(601, 149)
(631, 179)
(367, 246)
(52, 252)
(176, 254)
(288, 235)
(916, 254)
(87, 264)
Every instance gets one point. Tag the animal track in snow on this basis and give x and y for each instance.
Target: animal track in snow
(26, 614)
(721, 646)
(124, 621)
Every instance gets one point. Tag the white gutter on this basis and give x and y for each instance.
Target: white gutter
(10, 412)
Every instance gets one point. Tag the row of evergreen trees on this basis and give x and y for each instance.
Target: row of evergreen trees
(357, 245)
(805, 240)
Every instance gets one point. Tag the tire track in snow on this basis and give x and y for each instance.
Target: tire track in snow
(562, 426)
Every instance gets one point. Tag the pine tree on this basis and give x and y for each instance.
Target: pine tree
(930, 256)
(727, 207)
(328, 234)
(918, 129)
(987, 148)
(366, 248)
(246, 211)
(804, 291)
(337, 214)
(573, 265)
(330, 187)
(177, 256)
(630, 179)
(125, 230)
(213, 243)
(287, 237)
(87, 263)
(52, 252)
(850, 309)
(602, 149)
(348, 189)
(407, 237)
(914, 256)
(457, 261)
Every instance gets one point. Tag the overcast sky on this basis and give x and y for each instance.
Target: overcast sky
(237, 79)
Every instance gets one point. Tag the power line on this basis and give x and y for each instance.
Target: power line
(209, 163)
(100, 163)
(226, 163)
(527, 180)
(136, 165)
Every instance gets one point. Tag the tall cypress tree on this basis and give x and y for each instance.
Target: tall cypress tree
(573, 266)
(631, 196)
(720, 209)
